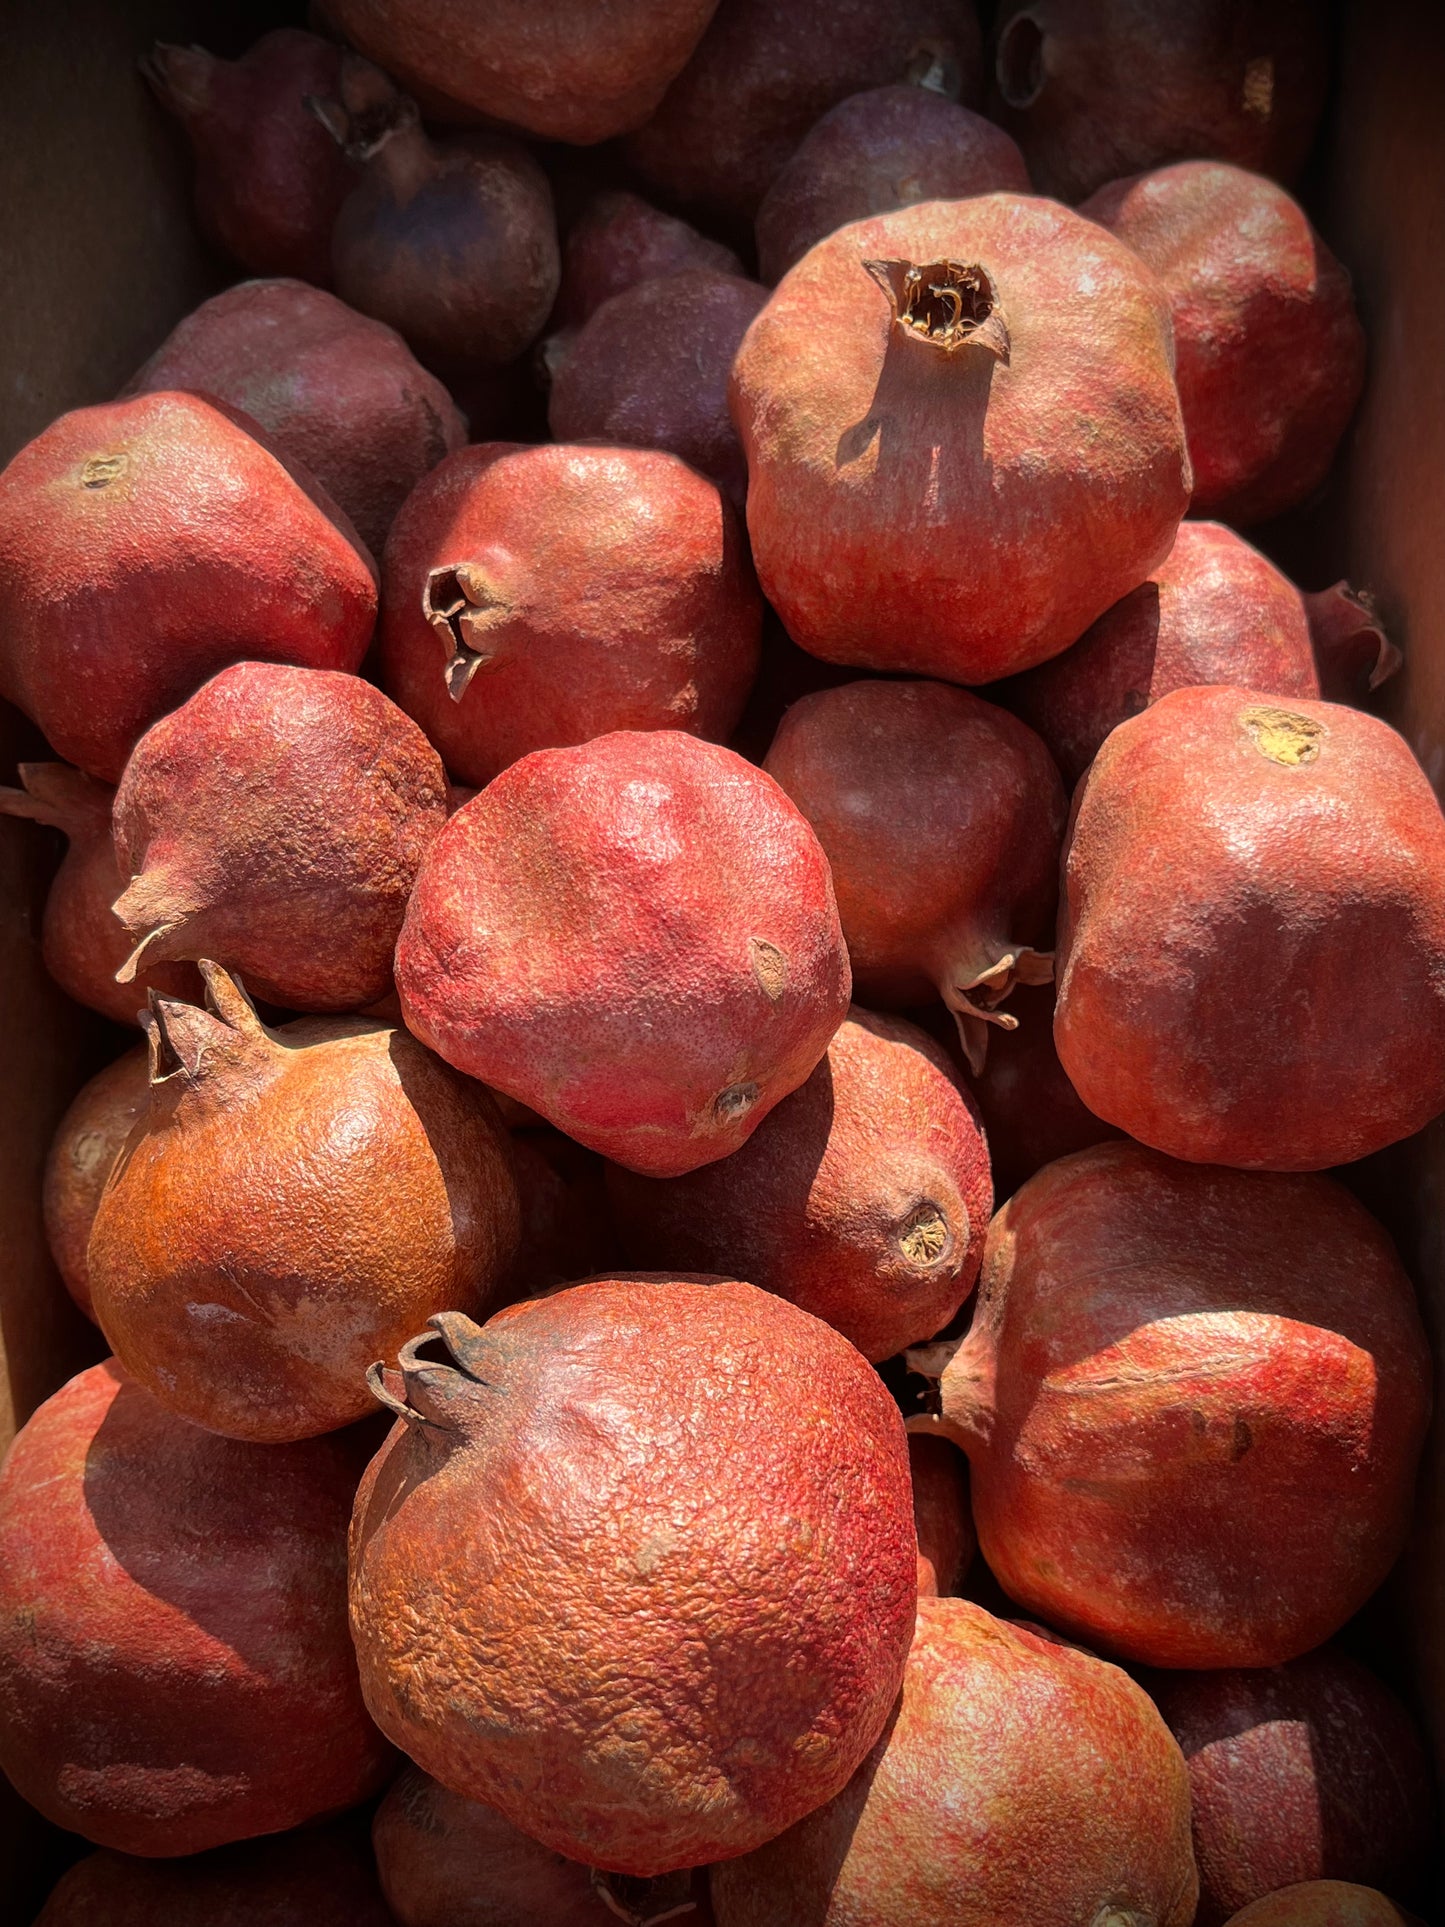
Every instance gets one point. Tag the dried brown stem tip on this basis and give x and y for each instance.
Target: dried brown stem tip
(462, 606)
(948, 304)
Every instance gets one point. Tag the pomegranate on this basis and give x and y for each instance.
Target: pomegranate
(293, 1203)
(864, 1197)
(619, 240)
(941, 817)
(566, 1220)
(82, 1153)
(1270, 354)
(1031, 1112)
(174, 1666)
(637, 938)
(340, 393)
(1233, 858)
(763, 74)
(269, 184)
(941, 1515)
(650, 370)
(887, 148)
(1353, 653)
(278, 819)
(82, 940)
(962, 435)
(711, 1618)
(1298, 1772)
(1092, 89)
(1325, 1903)
(1193, 1400)
(1020, 1780)
(1213, 611)
(538, 597)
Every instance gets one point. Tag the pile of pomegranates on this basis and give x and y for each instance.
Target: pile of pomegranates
(563, 697)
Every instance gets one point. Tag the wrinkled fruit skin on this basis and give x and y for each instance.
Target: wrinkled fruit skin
(941, 1515)
(637, 938)
(1233, 857)
(707, 1491)
(1092, 89)
(1031, 1112)
(864, 1197)
(174, 1666)
(1325, 1903)
(650, 368)
(1193, 1400)
(340, 393)
(82, 940)
(144, 545)
(269, 179)
(538, 597)
(87, 1142)
(902, 511)
(619, 240)
(763, 75)
(297, 1202)
(1270, 354)
(1213, 611)
(1299, 1772)
(1020, 1780)
(278, 820)
(888, 148)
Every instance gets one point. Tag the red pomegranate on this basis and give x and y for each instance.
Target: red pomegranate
(538, 597)
(174, 1666)
(1325, 1903)
(82, 1154)
(82, 940)
(763, 74)
(941, 817)
(339, 392)
(278, 819)
(650, 369)
(1233, 858)
(1213, 611)
(962, 435)
(1092, 89)
(1298, 1773)
(1020, 1780)
(637, 938)
(864, 1197)
(293, 1204)
(269, 184)
(1031, 1112)
(887, 148)
(1353, 653)
(566, 1219)
(619, 240)
(1193, 1400)
(144, 545)
(710, 1621)
(1270, 354)
(941, 1515)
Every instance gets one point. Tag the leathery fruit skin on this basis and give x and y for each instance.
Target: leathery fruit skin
(292, 1204)
(87, 1142)
(864, 1197)
(174, 1666)
(1325, 1903)
(144, 545)
(1019, 1780)
(619, 240)
(278, 820)
(709, 1489)
(637, 938)
(941, 1514)
(538, 597)
(1234, 856)
(962, 435)
(1193, 1402)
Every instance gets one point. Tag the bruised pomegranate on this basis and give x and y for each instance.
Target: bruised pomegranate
(1019, 1780)
(1193, 1400)
(1269, 352)
(293, 1204)
(1092, 89)
(1298, 1772)
(278, 819)
(1234, 857)
(619, 240)
(650, 369)
(962, 434)
(174, 1666)
(637, 938)
(1353, 654)
(1325, 1903)
(1031, 1112)
(941, 1515)
(941, 817)
(82, 1154)
(864, 1197)
(887, 148)
(269, 184)
(339, 392)
(82, 940)
(710, 1622)
(566, 1220)
(536, 597)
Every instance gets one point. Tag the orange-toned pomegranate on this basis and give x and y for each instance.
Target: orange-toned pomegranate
(87, 1142)
(946, 1540)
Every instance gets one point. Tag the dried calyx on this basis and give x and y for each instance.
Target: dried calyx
(642, 1902)
(935, 65)
(463, 608)
(975, 1000)
(183, 1036)
(1352, 651)
(367, 110)
(948, 304)
(430, 1391)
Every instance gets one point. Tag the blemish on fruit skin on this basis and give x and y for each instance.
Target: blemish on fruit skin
(101, 470)
(1283, 735)
(770, 967)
